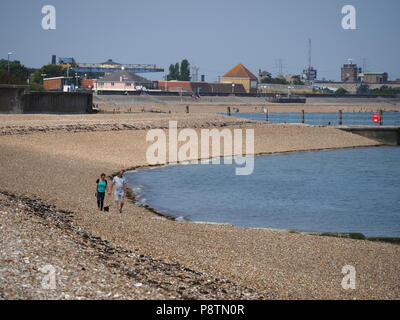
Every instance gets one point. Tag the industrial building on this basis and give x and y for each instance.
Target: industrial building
(240, 75)
(107, 66)
(375, 77)
(121, 81)
(350, 72)
(309, 74)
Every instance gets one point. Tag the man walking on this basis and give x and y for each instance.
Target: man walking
(119, 187)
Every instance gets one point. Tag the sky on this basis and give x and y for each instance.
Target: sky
(214, 35)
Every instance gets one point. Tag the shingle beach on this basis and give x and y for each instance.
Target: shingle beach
(48, 216)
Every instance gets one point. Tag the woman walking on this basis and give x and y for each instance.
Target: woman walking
(101, 190)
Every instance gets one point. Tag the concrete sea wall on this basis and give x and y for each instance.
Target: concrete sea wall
(11, 98)
(18, 99)
(57, 102)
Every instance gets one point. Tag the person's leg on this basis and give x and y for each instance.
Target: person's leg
(122, 204)
(116, 200)
(98, 200)
(102, 195)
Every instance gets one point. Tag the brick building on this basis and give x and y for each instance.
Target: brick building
(349, 72)
(240, 75)
(57, 83)
(87, 83)
(375, 77)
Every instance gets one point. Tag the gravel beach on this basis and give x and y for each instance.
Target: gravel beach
(48, 216)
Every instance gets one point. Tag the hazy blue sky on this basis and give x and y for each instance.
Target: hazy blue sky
(213, 34)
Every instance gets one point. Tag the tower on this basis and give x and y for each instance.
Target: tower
(195, 73)
(309, 74)
(349, 72)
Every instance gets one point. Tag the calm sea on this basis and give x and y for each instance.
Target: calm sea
(350, 190)
(348, 118)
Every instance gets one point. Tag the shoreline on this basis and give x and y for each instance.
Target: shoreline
(133, 197)
(125, 105)
(119, 263)
(275, 264)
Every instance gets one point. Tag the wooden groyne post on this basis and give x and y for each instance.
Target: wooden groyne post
(340, 117)
(266, 114)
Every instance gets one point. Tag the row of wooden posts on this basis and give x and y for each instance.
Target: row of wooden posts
(303, 118)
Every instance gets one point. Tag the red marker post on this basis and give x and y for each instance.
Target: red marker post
(376, 118)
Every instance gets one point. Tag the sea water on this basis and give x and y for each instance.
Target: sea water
(313, 118)
(348, 190)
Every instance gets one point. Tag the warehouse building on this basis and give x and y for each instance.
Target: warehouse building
(375, 77)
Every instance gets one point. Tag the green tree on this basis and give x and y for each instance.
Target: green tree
(47, 71)
(51, 71)
(36, 87)
(274, 80)
(18, 72)
(363, 89)
(173, 72)
(179, 72)
(341, 92)
(184, 74)
(6, 78)
(266, 80)
(298, 82)
(385, 91)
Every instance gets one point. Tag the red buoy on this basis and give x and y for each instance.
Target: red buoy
(376, 117)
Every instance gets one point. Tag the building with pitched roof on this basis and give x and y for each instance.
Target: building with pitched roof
(121, 81)
(240, 75)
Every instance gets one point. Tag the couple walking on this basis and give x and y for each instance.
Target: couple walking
(119, 187)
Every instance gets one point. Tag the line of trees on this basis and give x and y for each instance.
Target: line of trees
(382, 91)
(179, 72)
(19, 74)
(280, 80)
(51, 71)
(364, 89)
